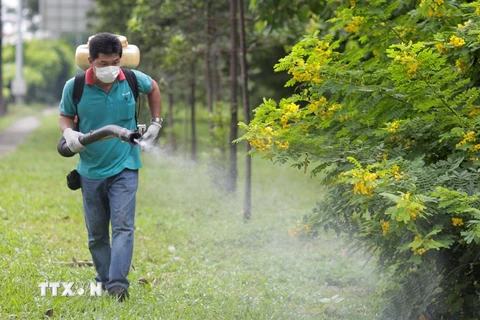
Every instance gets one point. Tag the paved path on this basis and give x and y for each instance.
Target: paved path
(16, 134)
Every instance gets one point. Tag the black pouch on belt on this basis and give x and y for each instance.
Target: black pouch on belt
(73, 180)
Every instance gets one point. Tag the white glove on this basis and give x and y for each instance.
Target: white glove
(71, 137)
(151, 134)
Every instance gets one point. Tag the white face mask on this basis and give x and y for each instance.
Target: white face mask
(107, 74)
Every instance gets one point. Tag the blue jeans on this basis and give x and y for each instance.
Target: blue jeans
(105, 201)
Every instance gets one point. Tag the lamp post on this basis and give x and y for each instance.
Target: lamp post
(19, 85)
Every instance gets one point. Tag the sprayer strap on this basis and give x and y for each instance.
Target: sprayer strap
(133, 83)
(78, 84)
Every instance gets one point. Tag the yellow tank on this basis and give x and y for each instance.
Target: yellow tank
(130, 55)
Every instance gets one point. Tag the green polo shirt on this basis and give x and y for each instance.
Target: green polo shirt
(96, 109)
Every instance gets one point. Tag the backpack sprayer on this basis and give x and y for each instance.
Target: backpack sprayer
(130, 59)
(130, 54)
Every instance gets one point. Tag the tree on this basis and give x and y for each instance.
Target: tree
(48, 64)
(113, 15)
(31, 8)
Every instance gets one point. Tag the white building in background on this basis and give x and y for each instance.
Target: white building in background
(56, 18)
(60, 16)
(65, 16)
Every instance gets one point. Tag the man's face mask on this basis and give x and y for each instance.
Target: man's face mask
(107, 74)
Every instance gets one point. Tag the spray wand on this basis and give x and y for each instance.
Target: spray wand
(106, 132)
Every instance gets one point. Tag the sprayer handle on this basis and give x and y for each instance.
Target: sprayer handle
(63, 149)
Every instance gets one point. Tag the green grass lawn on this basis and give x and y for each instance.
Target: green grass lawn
(195, 257)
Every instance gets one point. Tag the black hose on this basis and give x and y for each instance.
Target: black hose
(99, 134)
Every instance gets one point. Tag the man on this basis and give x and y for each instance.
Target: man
(109, 168)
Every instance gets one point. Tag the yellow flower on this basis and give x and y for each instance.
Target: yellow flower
(457, 222)
(291, 108)
(292, 233)
(477, 10)
(300, 75)
(394, 127)
(260, 143)
(335, 107)
(266, 130)
(467, 137)
(283, 145)
(475, 148)
(412, 70)
(474, 112)
(321, 102)
(396, 172)
(465, 25)
(413, 213)
(313, 106)
(441, 48)
(367, 183)
(462, 67)
(457, 42)
(369, 176)
(385, 226)
(360, 187)
(421, 251)
(354, 27)
(417, 250)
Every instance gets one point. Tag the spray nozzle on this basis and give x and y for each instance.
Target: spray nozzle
(141, 128)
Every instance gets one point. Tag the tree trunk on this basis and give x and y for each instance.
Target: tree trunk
(3, 104)
(233, 172)
(208, 60)
(217, 81)
(247, 209)
(171, 134)
(217, 94)
(186, 123)
(192, 117)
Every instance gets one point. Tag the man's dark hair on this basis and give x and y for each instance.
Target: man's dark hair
(105, 43)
